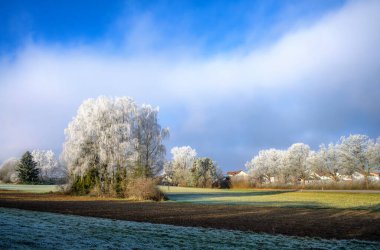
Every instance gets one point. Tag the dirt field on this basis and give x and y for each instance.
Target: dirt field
(324, 223)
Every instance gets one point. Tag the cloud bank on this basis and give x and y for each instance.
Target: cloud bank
(314, 84)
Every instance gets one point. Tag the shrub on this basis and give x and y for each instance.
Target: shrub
(144, 189)
(240, 183)
(94, 184)
(84, 185)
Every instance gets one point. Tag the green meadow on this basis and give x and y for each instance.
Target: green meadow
(276, 198)
(30, 188)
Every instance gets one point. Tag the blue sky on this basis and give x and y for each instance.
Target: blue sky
(214, 25)
(230, 77)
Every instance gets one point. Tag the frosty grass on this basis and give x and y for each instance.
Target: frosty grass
(22, 229)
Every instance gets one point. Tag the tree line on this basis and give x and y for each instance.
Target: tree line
(38, 166)
(349, 156)
(113, 146)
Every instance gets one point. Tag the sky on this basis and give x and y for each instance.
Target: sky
(230, 77)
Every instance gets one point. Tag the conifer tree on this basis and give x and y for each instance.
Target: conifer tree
(27, 170)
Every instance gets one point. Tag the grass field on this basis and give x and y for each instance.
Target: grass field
(30, 188)
(47, 230)
(256, 197)
(276, 198)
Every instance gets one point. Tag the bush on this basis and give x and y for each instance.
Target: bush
(84, 185)
(144, 189)
(93, 184)
(240, 183)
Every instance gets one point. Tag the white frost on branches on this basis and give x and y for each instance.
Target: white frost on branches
(179, 169)
(266, 165)
(355, 154)
(49, 168)
(114, 133)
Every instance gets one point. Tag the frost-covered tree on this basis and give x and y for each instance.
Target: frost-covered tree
(296, 164)
(354, 154)
(266, 165)
(49, 168)
(100, 134)
(179, 169)
(110, 140)
(205, 173)
(357, 155)
(374, 154)
(149, 137)
(326, 162)
(99, 145)
(27, 169)
(8, 171)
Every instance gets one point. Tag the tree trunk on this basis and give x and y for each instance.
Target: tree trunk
(366, 181)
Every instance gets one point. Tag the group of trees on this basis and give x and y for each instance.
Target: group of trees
(185, 169)
(50, 169)
(40, 166)
(352, 154)
(110, 142)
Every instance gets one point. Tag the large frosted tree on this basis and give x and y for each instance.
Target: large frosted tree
(112, 139)
(148, 136)
(100, 136)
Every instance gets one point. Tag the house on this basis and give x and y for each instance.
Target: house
(375, 175)
(237, 174)
(238, 179)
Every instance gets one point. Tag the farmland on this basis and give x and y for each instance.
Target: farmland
(47, 230)
(329, 215)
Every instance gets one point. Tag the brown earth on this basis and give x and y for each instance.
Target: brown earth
(324, 223)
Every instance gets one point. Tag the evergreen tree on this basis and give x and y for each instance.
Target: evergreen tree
(27, 171)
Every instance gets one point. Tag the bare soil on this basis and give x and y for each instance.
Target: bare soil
(324, 223)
